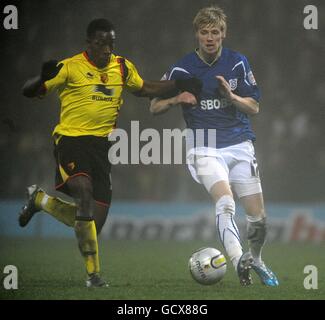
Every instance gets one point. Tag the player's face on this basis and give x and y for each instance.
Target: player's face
(210, 39)
(100, 47)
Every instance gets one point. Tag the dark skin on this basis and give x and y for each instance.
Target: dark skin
(99, 49)
(81, 190)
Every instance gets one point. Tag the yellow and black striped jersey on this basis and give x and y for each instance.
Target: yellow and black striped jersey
(91, 97)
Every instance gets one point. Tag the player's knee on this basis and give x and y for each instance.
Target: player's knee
(225, 205)
(255, 212)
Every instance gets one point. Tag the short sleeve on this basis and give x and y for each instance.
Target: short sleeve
(133, 80)
(175, 73)
(59, 80)
(247, 86)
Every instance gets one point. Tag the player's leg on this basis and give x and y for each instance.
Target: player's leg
(226, 226)
(76, 158)
(246, 184)
(69, 162)
(102, 184)
(85, 228)
(38, 200)
(212, 173)
(100, 216)
(256, 236)
(256, 223)
(63, 211)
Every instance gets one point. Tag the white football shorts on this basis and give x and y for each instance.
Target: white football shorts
(235, 164)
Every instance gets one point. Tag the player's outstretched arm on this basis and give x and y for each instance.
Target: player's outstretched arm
(159, 106)
(153, 89)
(244, 104)
(33, 87)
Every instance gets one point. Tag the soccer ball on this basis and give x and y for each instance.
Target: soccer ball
(207, 266)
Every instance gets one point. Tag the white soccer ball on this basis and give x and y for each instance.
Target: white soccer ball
(207, 266)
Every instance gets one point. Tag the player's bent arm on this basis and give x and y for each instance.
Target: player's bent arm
(246, 104)
(159, 106)
(154, 89)
(35, 86)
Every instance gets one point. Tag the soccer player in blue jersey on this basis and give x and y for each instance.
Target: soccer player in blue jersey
(223, 157)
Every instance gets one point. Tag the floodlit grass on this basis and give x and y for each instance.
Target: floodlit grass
(53, 269)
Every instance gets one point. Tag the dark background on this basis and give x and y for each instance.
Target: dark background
(287, 60)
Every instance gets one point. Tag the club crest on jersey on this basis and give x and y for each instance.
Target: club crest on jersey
(233, 84)
(251, 78)
(104, 77)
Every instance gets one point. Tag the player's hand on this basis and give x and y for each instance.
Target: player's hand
(192, 85)
(50, 69)
(186, 98)
(224, 88)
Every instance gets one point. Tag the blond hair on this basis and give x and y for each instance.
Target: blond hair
(210, 16)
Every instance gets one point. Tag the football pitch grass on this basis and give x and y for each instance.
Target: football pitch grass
(144, 270)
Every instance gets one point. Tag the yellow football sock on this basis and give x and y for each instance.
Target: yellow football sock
(87, 239)
(61, 210)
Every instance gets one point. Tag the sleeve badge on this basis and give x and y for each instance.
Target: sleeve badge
(251, 78)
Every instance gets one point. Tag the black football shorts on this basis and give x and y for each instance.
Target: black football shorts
(87, 156)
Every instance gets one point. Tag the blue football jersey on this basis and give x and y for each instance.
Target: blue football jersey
(230, 125)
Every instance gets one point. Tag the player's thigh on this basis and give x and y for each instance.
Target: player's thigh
(80, 186)
(101, 174)
(213, 172)
(73, 171)
(243, 174)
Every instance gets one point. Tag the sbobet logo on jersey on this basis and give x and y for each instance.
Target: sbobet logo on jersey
(216, 104)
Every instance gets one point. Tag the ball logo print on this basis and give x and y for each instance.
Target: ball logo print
(207, 266)
(218, 261)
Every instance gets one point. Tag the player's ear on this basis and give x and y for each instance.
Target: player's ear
(224, 34)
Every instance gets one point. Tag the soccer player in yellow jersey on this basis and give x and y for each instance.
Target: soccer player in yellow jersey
(90, 86)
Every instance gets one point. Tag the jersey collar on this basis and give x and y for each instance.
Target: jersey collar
(209, 64)
(112, 57)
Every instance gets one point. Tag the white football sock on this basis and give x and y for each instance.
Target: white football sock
(227, 229)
